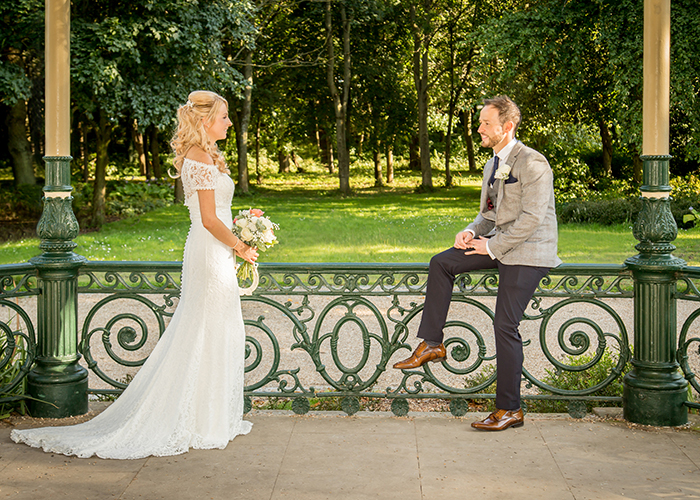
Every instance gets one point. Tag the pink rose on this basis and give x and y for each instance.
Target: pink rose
(256, 212)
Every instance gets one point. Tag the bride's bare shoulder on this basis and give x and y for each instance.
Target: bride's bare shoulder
(199, 155)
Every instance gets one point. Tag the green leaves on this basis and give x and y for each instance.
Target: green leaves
(14, 83)
(142, 58)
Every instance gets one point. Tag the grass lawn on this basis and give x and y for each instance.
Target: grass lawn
(393, 224)
(380, 228)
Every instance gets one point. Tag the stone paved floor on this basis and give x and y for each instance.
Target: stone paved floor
(378, 456)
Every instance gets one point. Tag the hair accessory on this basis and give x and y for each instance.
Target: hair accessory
(189, 104)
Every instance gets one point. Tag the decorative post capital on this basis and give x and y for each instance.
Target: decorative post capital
(58, 226)
(655, 227)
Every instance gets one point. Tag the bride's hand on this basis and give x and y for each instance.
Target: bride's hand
(247, 253)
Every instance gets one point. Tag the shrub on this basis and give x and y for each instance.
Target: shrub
(22, 202)
(620, 211)
(567, 380)
(479, 378)
(606, 212)
(128, 198)
(576, 381)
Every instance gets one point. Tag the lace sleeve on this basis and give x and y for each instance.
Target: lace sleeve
(197, 176)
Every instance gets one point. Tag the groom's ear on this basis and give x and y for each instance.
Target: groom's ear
(509, 126)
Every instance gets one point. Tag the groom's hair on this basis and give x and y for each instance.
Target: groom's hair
(507, 109)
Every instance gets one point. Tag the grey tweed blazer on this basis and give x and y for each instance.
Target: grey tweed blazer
(523, 223)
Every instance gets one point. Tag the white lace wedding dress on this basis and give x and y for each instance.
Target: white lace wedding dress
(189, 393)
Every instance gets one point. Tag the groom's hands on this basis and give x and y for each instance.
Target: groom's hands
(475, 246)
(462, 240)
(478, 246)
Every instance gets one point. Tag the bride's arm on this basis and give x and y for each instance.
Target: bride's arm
(212, 223)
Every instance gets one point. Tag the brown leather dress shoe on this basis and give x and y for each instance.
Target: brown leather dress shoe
(422, 355)
(501, 420)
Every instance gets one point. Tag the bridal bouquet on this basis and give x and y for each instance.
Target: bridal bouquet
(255, 230)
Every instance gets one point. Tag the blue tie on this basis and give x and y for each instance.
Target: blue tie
(493, 172)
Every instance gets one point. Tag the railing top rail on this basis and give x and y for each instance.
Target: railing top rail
(296, 278)
(563, 269)
(15, 269)
(692, 272)
(18, 280)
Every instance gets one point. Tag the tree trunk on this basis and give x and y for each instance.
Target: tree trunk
(606, 139)
(242, 135)
(376, 156)
(258, 172)
(317, 136)
(638, 166)
(326, 151)
(137, 138)
(283, 160)
(331, 160)
(35, 115)
(18, 144)
(468, 139)
(448, 146)
(340, 103)
(420, 78)
(389, 164)
(179, 191)
(147, 154)
(413, 158)
(155, 153)
(84, 151)
(104, 133)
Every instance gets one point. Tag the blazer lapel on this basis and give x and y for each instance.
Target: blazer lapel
(511, 160)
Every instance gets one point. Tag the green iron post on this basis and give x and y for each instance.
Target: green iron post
(655, 390)
(57, 384)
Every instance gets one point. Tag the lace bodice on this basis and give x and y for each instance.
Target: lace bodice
(198, 176)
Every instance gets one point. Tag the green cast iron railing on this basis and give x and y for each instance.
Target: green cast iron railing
(688, 353)
(17, 332)
(334, 330)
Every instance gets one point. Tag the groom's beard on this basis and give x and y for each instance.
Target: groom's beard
(491, 141)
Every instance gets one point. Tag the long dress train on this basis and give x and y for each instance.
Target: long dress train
(189, 393)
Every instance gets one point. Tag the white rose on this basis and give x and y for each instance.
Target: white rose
(268, 236)
(246, 234)
(240, 222)
(503, 172)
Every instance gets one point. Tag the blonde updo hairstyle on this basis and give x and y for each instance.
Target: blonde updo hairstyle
(201, 107)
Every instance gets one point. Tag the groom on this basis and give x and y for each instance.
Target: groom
(515, 232)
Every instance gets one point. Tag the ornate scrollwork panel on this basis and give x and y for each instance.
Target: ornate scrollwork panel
(122, 339)
(689, 348)
(17, 347)
(578, 336)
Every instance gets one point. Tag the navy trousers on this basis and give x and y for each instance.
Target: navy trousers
(516, 286)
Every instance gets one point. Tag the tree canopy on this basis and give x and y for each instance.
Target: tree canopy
(348, 78)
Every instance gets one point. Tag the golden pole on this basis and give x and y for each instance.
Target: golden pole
(657, 63)
(57, 78)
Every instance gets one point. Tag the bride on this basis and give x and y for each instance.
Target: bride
(189, 393)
